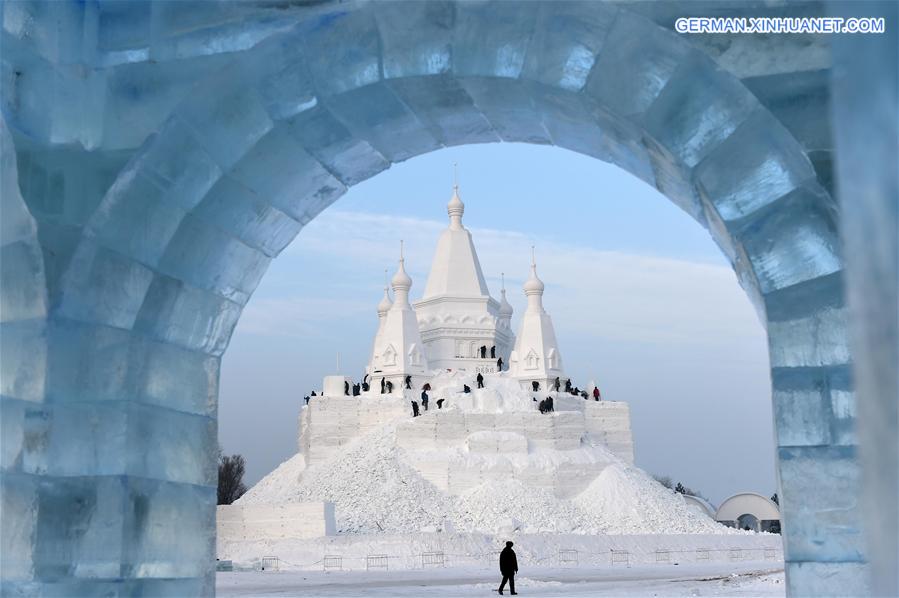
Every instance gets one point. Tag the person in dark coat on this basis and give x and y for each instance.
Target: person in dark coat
(541, 406)
(535, 385)
(346, 388)
(499, 364)
(424, 399)
(568, 385)
(549, 404)
(313, 393)
(306, 398)
(440, 403)
(556, 383)
(365, 387)
(466, 388)
(415, 409)
(355, 390)
(493, 351)
(389, 385)
(480, 380)
(409, 383)
(383, 385)
(483, 351)
(508, 566)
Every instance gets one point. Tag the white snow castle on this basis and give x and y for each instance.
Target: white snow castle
(458, 326)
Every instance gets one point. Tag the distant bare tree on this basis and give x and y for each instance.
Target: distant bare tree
(231, 470)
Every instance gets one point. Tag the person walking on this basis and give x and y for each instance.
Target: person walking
(408, 382)
(415, 409)
(508, 566)
(480, 380)
(424, 399)
(595, 393)
(499, 364)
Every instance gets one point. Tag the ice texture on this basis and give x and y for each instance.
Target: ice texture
(157, 155)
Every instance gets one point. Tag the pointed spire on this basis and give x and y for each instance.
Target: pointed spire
(401, 282)
(385, 304)
(533, 285)
(455, 208)
(505, 308)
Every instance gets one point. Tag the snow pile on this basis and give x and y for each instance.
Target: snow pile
(372, 490)
(375, 490)
(626, 500)
(279, 486)
(512, 507)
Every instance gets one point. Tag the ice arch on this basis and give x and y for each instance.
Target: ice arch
(117, 310)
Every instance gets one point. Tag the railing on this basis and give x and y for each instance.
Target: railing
(332, 562)
(433, 559)
(376, 561)
(270, 563)
(568, 557)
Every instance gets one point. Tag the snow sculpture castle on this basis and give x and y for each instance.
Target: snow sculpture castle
(457, 325)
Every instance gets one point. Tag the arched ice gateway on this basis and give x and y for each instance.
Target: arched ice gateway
(157, 156)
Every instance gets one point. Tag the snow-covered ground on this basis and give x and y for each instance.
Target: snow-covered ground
(757, 579)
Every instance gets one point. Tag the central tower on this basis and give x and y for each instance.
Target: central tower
(462, 326)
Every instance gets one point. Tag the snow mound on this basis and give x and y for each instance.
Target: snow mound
(371, 488)
(278, 486)
(375, 490)
(629, 501)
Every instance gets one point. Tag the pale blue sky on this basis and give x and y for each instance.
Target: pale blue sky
(642, 299)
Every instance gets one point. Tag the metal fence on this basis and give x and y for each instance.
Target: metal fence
(270, 563)
(332, 562)
(568, 557)
(376, 561)
(663, 556)
(433, 559)
(621, 556)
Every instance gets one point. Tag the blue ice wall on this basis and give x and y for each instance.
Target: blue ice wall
(157, 156)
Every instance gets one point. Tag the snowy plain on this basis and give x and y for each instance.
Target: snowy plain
(755, 578)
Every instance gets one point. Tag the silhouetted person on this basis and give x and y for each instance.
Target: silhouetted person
(483, 351)
(356, 389)
(534, 399)
(535, 385)
(440, 403)
(427, 386)
(415, 409)
(389, 387)
(466, 388)
(541, 406)
(306, 398)
(568, 385)
(365, 387)
(493, 351)
(556, 383)
(424, 399)
(383, 386)
(499, 364)
(508, 566)
(595, 393)
(549, 404)
(313, 393)
(409, 383)
(346, 388)
(480, 380)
